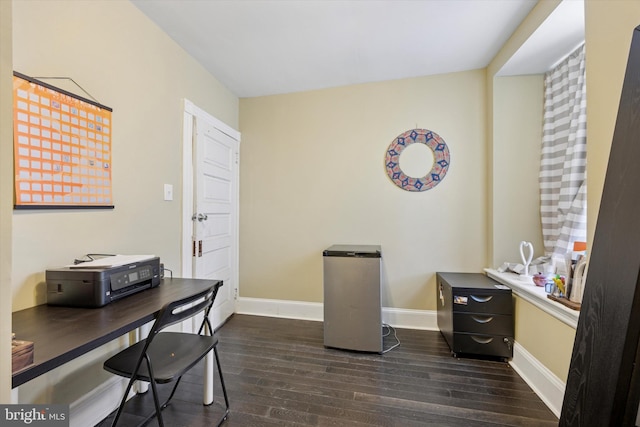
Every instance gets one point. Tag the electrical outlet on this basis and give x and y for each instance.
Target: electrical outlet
(168, 192)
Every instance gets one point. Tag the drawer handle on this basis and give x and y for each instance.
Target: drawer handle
(481, 299)
(486, 319)
(481, 340)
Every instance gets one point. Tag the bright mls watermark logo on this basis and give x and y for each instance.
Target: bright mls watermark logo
(34, 415)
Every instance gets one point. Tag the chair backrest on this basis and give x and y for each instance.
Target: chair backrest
(177, 311)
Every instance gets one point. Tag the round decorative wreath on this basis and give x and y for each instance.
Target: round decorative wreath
(440, 164)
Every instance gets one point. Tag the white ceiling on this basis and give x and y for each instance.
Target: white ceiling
(559, 35)
(264, 47)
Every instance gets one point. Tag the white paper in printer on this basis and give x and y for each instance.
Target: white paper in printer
(112, 261)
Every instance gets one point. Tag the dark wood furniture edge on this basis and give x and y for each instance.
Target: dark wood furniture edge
(35, 370)
(149, 301)
(603, 383)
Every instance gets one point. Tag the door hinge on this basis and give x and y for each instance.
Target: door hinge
(199, 248)
(237, 157)
(235, 291)
(193, 248)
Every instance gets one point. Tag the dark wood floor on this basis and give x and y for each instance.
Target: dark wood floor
(278, 372)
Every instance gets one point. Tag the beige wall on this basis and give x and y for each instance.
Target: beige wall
(6, 194)
(496, 126)
(121, 58)
(610, 26)
(547, 339)
(514, 107)
(312, 174)
(517, 136)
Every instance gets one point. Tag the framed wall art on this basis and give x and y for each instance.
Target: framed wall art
(62, 148)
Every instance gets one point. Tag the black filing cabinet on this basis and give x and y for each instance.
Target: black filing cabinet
(475, 314)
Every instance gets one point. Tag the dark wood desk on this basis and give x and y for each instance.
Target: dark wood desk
(60, 334)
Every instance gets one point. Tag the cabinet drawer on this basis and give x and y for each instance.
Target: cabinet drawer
(481, 323)
(490, 345)
(482, 302)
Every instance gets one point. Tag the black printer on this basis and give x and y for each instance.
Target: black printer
(96, 285)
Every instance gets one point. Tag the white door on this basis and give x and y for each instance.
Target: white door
(214, 216)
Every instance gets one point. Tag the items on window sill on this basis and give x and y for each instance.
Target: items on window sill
(559, 286)
(575, 265)
(567, 292)
(540, 279)
(566, 302)
(526, 259)
(571, 291)
(562, 277)
(538, 265)
(21, 354)
(557, 290)
(579, 277)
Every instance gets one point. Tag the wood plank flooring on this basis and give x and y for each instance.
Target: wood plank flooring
(278, 372)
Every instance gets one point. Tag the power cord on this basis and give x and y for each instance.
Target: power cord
(389, 330)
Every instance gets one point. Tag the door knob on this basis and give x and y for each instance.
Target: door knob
(200, 217)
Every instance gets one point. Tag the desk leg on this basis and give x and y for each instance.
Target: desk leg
(141, 333)
(208, 379)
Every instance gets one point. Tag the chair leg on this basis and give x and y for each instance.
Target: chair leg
(155, 413)
(156, 401)
(122, 403)
(175, 387)
(224, 388)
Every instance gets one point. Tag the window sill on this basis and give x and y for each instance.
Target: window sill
(536, 296)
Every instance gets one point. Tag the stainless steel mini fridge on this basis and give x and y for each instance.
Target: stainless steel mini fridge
(352, 307)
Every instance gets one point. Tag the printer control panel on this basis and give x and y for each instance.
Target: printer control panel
(131, 277)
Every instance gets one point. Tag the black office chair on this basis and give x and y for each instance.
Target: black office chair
(165, 356)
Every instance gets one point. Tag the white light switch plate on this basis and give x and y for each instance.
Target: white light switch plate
(168, 192)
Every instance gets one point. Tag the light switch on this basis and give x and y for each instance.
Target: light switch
(168, 192)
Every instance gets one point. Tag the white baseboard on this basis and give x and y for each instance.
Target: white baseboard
(544, 383)
(410, 319)
(549, 388)
(281, 308)
(96, 405)
(398, 318)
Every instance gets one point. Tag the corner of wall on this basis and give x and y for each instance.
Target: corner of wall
(6, 194)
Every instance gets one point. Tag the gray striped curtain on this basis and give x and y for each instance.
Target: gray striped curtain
(563, 201)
